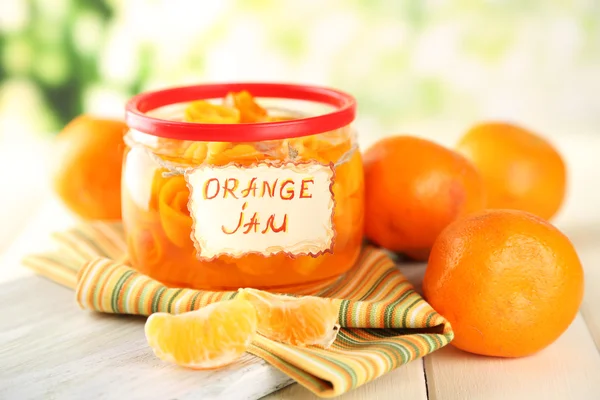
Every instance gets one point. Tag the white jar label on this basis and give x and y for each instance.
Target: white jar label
(266, 208)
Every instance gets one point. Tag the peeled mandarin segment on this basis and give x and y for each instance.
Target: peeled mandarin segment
(329, 152)
(249, 110)
(174, 214)
(298, 321)
(295, 147)
(349, 193)
(170, 148)
(204, 112)
(242, 151)
(215, 153)
(320, 149)
(210, 337)
(196, 152)
(146, 247)
(348, 173)
(278, 119)
(244, 154)
(157, 183)
(256, 264)
(217, 147)
(273, 150)
(306, 265)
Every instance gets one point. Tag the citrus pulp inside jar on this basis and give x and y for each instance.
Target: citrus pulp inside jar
(156, 210)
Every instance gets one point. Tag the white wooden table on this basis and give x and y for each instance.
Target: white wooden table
(568, 369)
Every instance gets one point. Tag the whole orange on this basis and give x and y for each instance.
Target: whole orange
(413, 189)
(521, 170)
(87, 167)
(508, 282)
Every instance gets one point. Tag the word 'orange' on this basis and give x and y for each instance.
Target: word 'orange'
(230, 187)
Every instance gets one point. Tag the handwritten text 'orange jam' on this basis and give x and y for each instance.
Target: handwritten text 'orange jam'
(285, 189)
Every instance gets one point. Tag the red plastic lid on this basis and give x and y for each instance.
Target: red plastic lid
(139, 105)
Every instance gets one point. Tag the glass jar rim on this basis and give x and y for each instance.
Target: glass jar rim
(138, 106)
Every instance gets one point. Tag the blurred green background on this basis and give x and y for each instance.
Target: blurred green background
(410, 63)
(429, 68)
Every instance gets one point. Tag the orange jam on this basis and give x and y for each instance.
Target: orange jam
(162, 146)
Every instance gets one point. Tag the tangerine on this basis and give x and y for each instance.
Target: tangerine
(413, 189)
(87, 173)
(508, 282)
(520, 169)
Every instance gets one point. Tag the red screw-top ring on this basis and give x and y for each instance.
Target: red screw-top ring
(139, 105)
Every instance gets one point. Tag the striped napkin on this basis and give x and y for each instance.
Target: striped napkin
(385, 323)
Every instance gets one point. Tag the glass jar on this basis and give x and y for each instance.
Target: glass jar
(180, 220)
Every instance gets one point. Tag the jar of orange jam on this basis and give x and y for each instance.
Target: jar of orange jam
(242, 185)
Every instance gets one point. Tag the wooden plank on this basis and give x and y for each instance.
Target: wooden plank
(568, 369)
(51, 349)
(22, 187)
(406, 382)
(587, 241)
(414, 273)
(34, 236)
